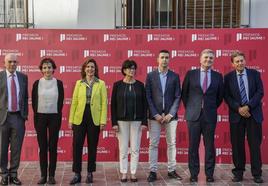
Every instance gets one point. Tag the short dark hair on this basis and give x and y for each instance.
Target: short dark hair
(128, 64)
(164, 51)
(47, 60)
(237, 53)
(84, 65)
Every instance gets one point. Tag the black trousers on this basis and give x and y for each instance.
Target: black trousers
(88, 128)
(195, 129)
(47, 127)
(253, 131)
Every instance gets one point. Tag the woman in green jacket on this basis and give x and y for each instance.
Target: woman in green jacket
(88, 115)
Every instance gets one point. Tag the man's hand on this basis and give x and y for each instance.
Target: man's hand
(244, 111)
(167, 118)
(159, 118)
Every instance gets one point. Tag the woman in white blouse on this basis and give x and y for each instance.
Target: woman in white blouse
(47, 103)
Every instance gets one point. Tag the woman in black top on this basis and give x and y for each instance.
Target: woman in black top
(47, 103)
(129, 110)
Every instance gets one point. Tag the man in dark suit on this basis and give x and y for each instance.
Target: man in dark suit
(243, 94)
(202, 94)
(13, 113)
(163, 97)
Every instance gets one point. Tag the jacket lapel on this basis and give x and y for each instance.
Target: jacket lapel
(157, 80)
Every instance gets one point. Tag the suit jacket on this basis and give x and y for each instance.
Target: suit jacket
(193, 96)
(233, 99)
(154, 94)
(98, 103)
(23, 95)
(35, 96)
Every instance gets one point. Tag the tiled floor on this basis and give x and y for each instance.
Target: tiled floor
(108, 174)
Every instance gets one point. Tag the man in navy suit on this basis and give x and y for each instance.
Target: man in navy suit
(243, 94)
(13, 113)
(163, 97)
(202, 94)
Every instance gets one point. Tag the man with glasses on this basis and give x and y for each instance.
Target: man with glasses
(13, 113)
(163, 96)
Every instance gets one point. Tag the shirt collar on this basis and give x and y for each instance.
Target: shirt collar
(203, 70)
(243, 73)
(162, 73)
(9, 74)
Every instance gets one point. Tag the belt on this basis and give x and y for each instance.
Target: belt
(17, 112)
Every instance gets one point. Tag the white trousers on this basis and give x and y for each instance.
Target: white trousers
(154, 131)
(129, 131)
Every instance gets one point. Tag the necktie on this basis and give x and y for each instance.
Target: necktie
(205, 82)
(243, 93)
(13, 94)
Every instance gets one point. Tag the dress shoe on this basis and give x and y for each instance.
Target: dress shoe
(210, 179)
(76, 179)
(237, 179)
(193, 179)
(42, 180)
(123, 180)
(51, 180)
(14, 180)
(258, 179)
(174, 175)
(89, 178)
(4, 181)
(133, 178)
(152, 177)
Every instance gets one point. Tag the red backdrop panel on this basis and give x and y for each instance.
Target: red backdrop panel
(110, 48)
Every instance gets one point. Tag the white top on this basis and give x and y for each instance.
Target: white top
(47, 96)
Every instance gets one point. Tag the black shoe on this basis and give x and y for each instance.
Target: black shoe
(76, 179)
(210, 179)
(123, 180)
(51, 180)
(237, 179)
(193, 179)
(14, 180)
(133, 179)
(42, 180)
(174, 175)
(258, 179)
(152, 177)
(89, 178)
(4, 180)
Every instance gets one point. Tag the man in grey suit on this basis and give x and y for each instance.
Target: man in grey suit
(13, 113)
(202, 94)
(163, 97)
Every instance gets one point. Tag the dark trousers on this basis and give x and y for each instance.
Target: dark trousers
(196, 128)
(47, 127)
(88, 128)
(11, 133)
(254, 137)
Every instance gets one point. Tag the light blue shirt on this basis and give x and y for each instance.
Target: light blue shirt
(163, 81)
(202, 77)
(245, 79)
(9, 77)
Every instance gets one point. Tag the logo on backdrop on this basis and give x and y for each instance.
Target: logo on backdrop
(223, 151)
(139, 53)
(160, 37)
(68, 68)
(52, 53)
(250, 37)
(111, 69)
(72, 37)
(205, 37)
(116, 37)
(223, 53)
(4, 52)
(29, 37)
(183, 53)
(96, 53)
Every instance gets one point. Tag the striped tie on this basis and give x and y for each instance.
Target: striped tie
(243, 93)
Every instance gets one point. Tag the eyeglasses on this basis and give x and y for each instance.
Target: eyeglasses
(131, 68)
(12, 61)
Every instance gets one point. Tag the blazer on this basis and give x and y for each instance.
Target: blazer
(118, 102)
(233, 99)
(193, 96)
(35, 96)
(23, 95)
(155, 96)
(98, 103)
